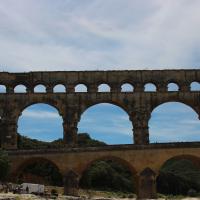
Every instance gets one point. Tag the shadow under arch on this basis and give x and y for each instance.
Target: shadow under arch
(30, 161)
(194, 159)
(118, 111)
(172, 117)
(122, 162)
(179, 174)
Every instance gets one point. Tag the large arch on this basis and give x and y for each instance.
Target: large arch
(127, 165)
(40, 118)
(179, 174)
(104, 119)
(30, 161)
(194, 159)
(175, 120)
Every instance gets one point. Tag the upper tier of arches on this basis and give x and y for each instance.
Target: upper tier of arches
(127, 86)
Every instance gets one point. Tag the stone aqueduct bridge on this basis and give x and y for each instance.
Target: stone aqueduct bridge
(142, 158)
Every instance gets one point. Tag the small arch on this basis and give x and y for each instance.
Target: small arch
(150, 87)
(59, 88)
(2, 89)
(40, 88)
(195, 86)
(20, 89)
(103, 88)
(127, 87)
(81, 88)
(172, 87)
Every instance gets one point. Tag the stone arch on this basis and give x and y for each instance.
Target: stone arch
(104, 87)
(22, 107)
(115, 107)
(150, 87)
(20, 88)
(195, 86)
(81, 87)
(168, 179)
(193, 158)
(173, 86)
(114, 158)
(165, 126)
(40, 88)
(186, 103)
(115, 103)
(21, 167)
(127, 87)
(29, 104)
(2, 88)
(119, 160)
(59, 88)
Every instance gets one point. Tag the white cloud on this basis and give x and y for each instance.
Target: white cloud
(90, 35)
(40, 114)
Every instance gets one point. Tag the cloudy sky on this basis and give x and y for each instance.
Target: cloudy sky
(40, 35)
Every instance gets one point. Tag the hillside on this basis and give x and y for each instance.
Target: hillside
(84, 140)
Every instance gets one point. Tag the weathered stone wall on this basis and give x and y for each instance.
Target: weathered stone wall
(70, 105)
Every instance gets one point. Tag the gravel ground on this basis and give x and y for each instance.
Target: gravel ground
(11, 196)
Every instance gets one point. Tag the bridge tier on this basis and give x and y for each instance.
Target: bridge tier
(144, 161)
(71, 104)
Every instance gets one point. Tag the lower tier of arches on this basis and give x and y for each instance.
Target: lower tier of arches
(144, 163)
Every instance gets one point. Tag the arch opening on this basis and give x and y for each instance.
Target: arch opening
(107, 123)
(41, 122)
(109, 174)
(20, 89)
(103, 88)
(174, 122)
(2, 89)
(195, 86)
(150, 87)
(40, 88)
(127, 87)
(81, 88)
(39, 171)
(59, 88)
(172, 87)
(179, 176)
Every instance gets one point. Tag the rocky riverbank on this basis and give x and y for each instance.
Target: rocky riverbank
(11, 196)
